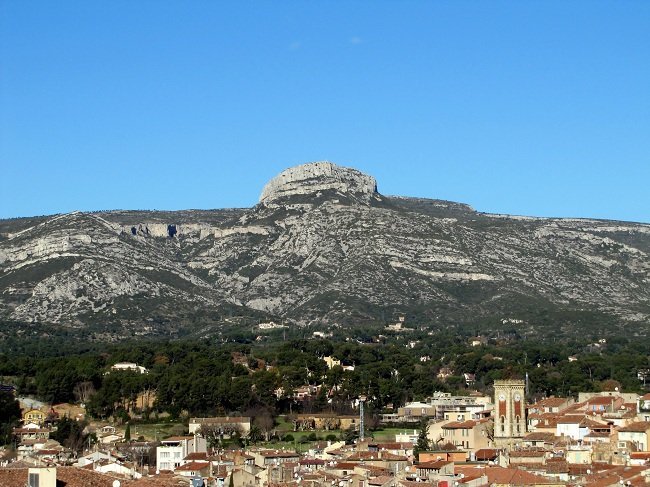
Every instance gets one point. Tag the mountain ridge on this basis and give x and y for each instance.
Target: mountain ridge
(321, 247)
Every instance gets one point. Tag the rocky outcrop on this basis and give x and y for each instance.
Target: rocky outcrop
(316, 177)
(354, 257)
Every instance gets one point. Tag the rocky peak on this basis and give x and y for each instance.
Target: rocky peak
(316, 177)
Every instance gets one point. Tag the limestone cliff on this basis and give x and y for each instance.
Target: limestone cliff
(316, 177)
(321, 247)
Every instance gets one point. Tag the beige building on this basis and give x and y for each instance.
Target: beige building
(415, 411)
(324, 421)
(468, 435)
(264, 458)
(41, 477)
(227, 424)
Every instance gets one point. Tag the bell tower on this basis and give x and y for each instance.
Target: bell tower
(509, 411)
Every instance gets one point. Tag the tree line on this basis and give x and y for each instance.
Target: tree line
(212, 377)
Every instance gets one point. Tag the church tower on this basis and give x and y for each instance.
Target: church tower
(509, 411)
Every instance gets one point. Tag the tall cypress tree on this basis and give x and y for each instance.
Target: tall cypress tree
(423, 439)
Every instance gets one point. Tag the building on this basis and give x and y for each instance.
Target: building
(265, 458)
(467, 435)
(550, 405)
(331, 362)
(41, 477)
(324, 421)
(576, 426)
(31, 431)
(172, 451)
(34, 416)
(227, 425)
(415, 412)
(458, 407)
(643, 407)
(129, 366)
(635, 434)
(510, 411)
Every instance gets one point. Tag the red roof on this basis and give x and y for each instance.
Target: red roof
(506, 476)
(539, 436)
(486, 454)
(638, 427)
(199, 455)
(78, 477)
(527, 454)
(380, 480)
(640, 455)
(616, 475)
(192, 466)
(602, 400)
(571, 419)
(550, 402)
(437, 465)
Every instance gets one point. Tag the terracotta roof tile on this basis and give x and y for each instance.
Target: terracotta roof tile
(638, 427)
(507, 476)
(437, 465)
(192, 466)
(486, 454)
(380, 480)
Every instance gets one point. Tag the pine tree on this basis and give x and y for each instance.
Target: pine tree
(127, 433)
(232, 481)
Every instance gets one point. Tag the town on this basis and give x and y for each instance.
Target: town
(473, 440)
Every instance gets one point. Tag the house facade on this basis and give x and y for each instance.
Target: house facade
(172, 451)
(636, 434)
(467, 435)
(34, 416)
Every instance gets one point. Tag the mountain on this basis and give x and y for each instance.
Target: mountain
(322, 246)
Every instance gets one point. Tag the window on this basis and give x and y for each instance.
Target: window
(33, 480)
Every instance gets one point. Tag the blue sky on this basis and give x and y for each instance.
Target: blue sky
(534, 108)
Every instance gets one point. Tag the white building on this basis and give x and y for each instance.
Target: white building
(406, 437)
(95, 457)
(129, 366)
(460, 407)
(637, 434)
(575, 426)
(172, 451)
